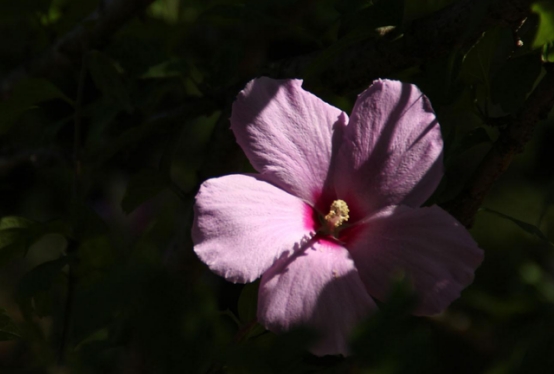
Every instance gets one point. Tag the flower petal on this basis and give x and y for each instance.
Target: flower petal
(433, 250)
(318, 287)
(243, 224)
(391, 152)
(287, 134)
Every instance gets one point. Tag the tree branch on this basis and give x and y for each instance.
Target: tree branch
(106, 20)
(424, 40)
(510, 142)
(459, 25)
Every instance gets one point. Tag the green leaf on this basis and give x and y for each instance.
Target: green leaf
(248, 301)
(43, 303)
(527, 227)
(143, 186)
(14, 222)
(126, 139)
(63, 15)
(547, 202)
(440, 77)
(108, 79)
(326, 57)
(414, 9)
(548, 52)
(377, 14)
(498, 306)
(17, 234)
(167, 10)
(96, 256)
(478, 63)
(158, 125)
(8, 329)
(545, 34)
(59, 226)
(473, 138)
(15, 237)
(137, 54)
(85, 221)
(26, 95)
(514, 80)
(102, 113)
(97, 336)
(14, 11)
(165, 69)
(41, 278)
(478, 13)
(12, 243)
(369, 23)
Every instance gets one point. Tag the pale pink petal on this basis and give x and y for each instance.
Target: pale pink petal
(287, 134)
(242, 224)
(318, 287)
(391, 152)
(426, 245)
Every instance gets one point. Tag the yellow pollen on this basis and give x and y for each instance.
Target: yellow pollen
(338, 213)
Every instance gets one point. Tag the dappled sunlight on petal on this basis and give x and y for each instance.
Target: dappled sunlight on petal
(318, 287)
(427, 246)
(243, 224)
(392, 148)
(287, 134)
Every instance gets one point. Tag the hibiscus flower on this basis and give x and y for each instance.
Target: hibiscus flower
(335, 211)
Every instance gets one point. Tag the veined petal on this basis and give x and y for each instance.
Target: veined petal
(318, 287)
(287, 134)
(242, 224)
(391, 152)
(426, 245)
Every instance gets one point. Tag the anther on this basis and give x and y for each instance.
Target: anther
(338, 213)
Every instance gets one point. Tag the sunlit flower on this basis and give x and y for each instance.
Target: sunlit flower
(334, 213)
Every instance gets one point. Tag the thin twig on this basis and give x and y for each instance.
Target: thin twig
(68, 307)
(76, 195)
(78, 127)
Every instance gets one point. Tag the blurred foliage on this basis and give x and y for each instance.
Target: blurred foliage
(100, 161)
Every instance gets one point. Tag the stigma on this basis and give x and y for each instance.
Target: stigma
(338, 214)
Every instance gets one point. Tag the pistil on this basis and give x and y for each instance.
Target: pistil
(338, 214)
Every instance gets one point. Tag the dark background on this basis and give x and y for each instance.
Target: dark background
(113, 112)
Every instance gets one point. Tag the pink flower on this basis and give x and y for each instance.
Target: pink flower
(335, 212)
